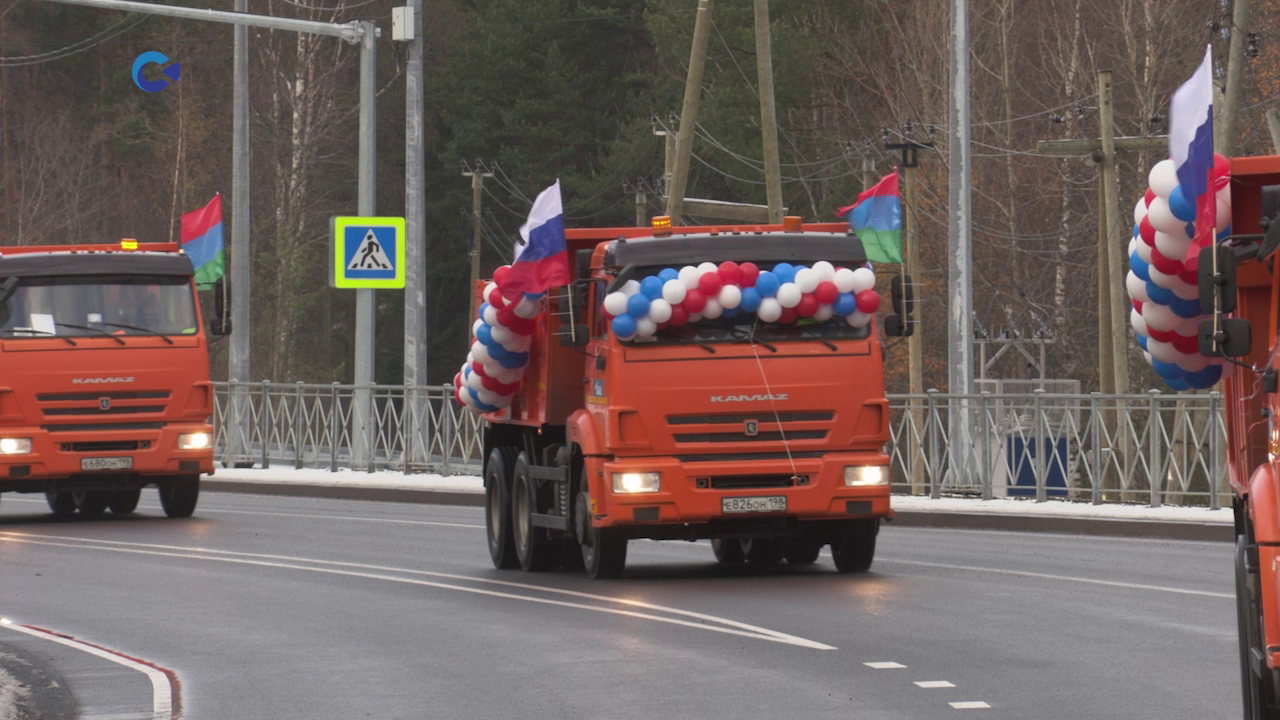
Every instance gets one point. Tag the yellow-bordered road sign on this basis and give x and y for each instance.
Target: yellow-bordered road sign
(367, 252)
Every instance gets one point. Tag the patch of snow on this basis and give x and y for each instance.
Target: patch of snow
(348, 478)
(13, 696)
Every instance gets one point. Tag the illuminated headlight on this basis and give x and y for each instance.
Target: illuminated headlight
(193, 441)
(863, 475)
(633, 482)
(15, 446)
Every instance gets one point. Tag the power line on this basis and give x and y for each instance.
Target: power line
(77, 47)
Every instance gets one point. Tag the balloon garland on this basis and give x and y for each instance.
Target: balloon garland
(499, 355)
(673, 298)
(1162, 282)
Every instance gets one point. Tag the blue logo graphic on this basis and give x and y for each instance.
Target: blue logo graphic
(174, 71)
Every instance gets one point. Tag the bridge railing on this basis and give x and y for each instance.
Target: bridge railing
(1148, 448)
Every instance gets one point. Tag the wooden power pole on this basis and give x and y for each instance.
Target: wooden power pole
(689, 112)
(768, 112)
(1225, 123)
(477, 194)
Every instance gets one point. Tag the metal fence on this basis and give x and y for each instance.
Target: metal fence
(1152, 448)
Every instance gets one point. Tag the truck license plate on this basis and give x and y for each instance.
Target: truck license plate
(106, 463)
(769, 503)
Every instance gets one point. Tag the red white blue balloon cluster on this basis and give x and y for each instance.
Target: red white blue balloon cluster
(673, 298)
(499, 355)
(1162, 281)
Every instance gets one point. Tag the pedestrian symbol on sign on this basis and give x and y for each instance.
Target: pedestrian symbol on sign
(369, 255)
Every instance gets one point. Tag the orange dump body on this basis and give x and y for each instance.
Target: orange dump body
(101, 405)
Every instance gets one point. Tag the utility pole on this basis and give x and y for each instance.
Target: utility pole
(415, 295)
(1226, 121)
(1273, 124)
(477, 195)
(689, 112)
(768, 112)
(1106, 358)
(1115, 244)
(238, 367)
(868, 174)
(639, 188)
(960, 245)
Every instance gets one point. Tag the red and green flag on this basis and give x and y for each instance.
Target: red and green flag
(877, 220)
(202, 242)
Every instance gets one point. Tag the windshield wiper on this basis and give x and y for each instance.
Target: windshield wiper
(744, 336)
(148, 331)
(39, 332)
(827, 342)
(704, 345)
(93, 329)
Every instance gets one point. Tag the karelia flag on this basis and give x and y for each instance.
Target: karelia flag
(877, 219)
(202, 242)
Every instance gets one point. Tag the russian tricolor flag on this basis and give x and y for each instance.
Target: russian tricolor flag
(542, 260)
(202, 242)
(1191, 148)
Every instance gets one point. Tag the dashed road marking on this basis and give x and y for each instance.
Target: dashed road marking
(934, 684)
(884, 665)
(969, 705)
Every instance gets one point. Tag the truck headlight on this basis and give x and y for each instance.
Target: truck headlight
(15, 446)
(634, 482)
(193, 441)
(864, 475)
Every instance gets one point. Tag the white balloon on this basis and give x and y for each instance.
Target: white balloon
(487, 397)
(471, 358)
(689, 276)
(660, 310)
(707, 267)
(826, 271)
(1139, 210)
(673, 291)
(712, 309)
(858, 319)
(615, 303)
(1162, 351)
(480, 352)
(488, 290)
(695, 317)
(1138, 323)
(1146, 356)
(789, 295)
(467, 401)
(863, 279)
(730, 297)
(845, 280)
(824, 313)
(475, 327)
(1133, 245)
(1159, 317)
(1185, 291)
(1144, 252)
(491, 316)
(1171, 245)
(474, 381)
(770, 310)
(631, 287)
(1161, 217)
(1162, 280)
(807, 280)
(504, 401)
(1163, 178)
(503, 375)
(1136, 287)
(646, 327)
(528, 308)
(501, 335)
(1223, 215)
(518, 343)
(1193, 362)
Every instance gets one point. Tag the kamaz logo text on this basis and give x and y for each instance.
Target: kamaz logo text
(748, 398)
(94, 381)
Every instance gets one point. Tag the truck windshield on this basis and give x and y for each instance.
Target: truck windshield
(79, 306)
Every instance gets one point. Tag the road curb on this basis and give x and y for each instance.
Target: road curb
(1161, 529)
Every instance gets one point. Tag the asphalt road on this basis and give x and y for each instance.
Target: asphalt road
(275, 607)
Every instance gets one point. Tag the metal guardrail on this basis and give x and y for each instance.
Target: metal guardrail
(1153, 449)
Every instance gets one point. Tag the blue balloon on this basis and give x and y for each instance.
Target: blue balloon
(511, 360)
(1139, 268)
(1206, 378)
(480, 310)
(1142, 341)
(1181, 206)
(1178, 384)
(845, 305)
(498, 353)
(534, 296)
(1167, 371)
(1159, 295)
(1136, 231)
(786, 272)
(768, 283)
(731, 312)
(651, 287)
(624, 326)
(1185, 309)
(485, 335)
(466, 371)
(1226, 232)
(669, 274)
(750, 300)
(482, 407)
(638, 305)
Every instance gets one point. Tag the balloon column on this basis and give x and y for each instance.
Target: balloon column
(499, 354)
(673, 298)
(1162, 280)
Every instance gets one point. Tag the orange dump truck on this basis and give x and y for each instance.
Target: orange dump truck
(766, 437)
(104, 377)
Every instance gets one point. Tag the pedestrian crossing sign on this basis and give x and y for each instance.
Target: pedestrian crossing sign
(367, 252)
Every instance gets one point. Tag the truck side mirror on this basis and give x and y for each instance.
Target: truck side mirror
(621, 278)
(1232, 337)
(902, 296)
(220, 324)
(1270, 221)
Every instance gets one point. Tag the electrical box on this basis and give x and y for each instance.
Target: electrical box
(402, 23)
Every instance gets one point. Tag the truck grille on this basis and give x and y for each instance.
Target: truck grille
(760, 427)
(752, 482)
(102, 404)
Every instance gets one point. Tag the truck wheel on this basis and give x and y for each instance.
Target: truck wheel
(604, 552)
(124, 502)
(62, 503)
(855, 548)
(762, 551)
(533, 546)
(91, 503)
(728, 552)
(497, 516)
(179, 494)
(802, 552)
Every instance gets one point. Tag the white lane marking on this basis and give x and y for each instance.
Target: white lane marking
(934, 684)
(1066, 578)
(889, 665)
(161, 690)
(969, 705)
(730, 627)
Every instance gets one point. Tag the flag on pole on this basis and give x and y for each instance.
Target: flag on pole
(1191, 148)
(202, 242)
(877, 220)
(542, 259)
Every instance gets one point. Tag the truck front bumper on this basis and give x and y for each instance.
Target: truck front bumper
(60, 456)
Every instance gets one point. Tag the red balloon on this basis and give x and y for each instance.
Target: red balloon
(679, 316)
(497, 387)
(694, 300)
(808, 305)
(457, 394)
(522, 326)
(500, 275)
(868, 301)
(730, 273)
(826, 292)
(1161, 335)
(749, 274)
(496, 300)
(1137, 305)
(1148, 197)
(478, 368)
(1165, 265)
(1189, 277)
(710, 283)
(457, 380)
(1186, 344)
(1221, 166)
(507, 317)
(1147, 232)
(788, 315)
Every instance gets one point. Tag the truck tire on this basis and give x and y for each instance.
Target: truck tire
(91, 503)
(534, 547)
(179, 494)
(802, 552)
(497, 501)
(604, 552)
(727, 552)
(61, 503)
(855, 547)
(124, 502)
(762, 551)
